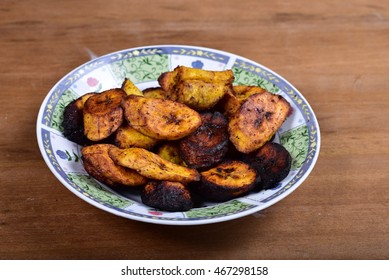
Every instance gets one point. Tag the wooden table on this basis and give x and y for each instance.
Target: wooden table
(335, 53)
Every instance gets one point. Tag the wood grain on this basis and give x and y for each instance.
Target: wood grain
(335, 53)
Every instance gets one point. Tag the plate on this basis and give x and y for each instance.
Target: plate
(299, 134)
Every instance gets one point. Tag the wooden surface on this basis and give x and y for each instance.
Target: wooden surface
(335, 52)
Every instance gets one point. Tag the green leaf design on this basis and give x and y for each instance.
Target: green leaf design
(296, 142)
(140, 69)
(230, 207)
(92, 189)
(243, 77)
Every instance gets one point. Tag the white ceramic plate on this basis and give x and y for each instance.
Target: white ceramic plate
(299, 134)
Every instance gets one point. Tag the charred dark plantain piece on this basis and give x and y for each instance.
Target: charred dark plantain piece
(228, 180)
(208, 144)
(167, 196)
(103, 114)
(73, 120)
(272, 163)
(99, 165)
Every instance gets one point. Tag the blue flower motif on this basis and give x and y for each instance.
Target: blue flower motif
(62, 154)
(197, 64)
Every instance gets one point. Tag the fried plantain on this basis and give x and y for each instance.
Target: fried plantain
(242, 92)
(208, 144)
(200, 95)
(160, 118)
(155, 92)
(231, 102)
(272, 163)
(168, 81)
(187, 73)
(167, 196)
(99, 165)
(73, 120)
(126, 137)
(130, 88)
(152, 166)
(171, 152)
(196, 88)
(228, 180)
(103, 114)
(257, 120)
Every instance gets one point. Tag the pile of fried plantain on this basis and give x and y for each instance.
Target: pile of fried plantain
(194, 135)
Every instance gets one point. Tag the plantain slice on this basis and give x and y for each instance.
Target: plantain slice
(171, 152)
(152, 166)
(228, 180)
(242, 92)
(155, 92)
(160, 118)
(73, 120)
(167, 196)
(168, 81)
(197, 88)
(130, 88)
(231, 102)
(257, 120)
(126, 137)
(103, 114)
(208, 144)
(200, 95)
(272, 163)
(99, 165)
(187, 73)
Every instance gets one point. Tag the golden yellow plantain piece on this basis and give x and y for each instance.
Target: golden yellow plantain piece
(243, 92)
(171, 152)
(126, 137)
(231, 102)
(257, 120)
(197, 88)
(168, 81)
(130, 88)
(160, 118)
(99, 165)
(155, 92)
(187, 73)
(200, 95)
(152, 166)
(228, 180)
(103, 114)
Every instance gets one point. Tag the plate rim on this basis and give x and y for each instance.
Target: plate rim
(172, 221)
